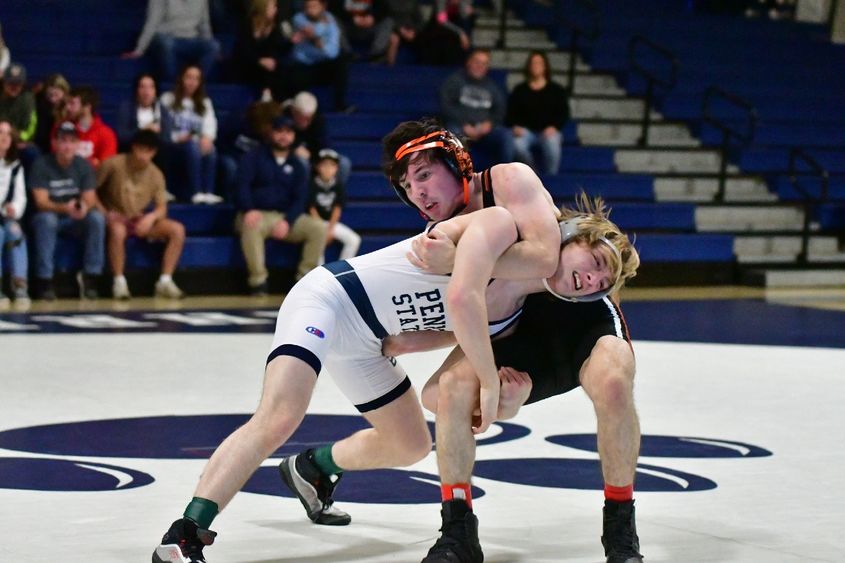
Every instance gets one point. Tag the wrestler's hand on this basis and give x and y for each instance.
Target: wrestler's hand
(433, 252)
(516, 388)
(489, 407)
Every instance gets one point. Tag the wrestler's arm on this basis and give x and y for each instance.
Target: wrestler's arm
(417, 341)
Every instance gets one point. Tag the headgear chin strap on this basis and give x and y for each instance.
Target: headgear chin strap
(457, 159)
(568, 230)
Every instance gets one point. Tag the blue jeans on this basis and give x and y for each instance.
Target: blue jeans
(173, 53)
(200, 169)
(13, 242)
(549, 148)
(46, 227)
(498, 143)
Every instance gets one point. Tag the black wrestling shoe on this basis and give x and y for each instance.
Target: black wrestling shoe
(313, 488)
(458, 541)
(619, 536)
(183, 543)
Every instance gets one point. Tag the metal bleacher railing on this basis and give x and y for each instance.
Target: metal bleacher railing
(583, 19)
(798, 155)
(641, 53)
(711, 116)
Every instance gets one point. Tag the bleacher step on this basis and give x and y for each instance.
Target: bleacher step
(785, 249)
(705, 189)
(514, 59)
(608, 108)
(661, 160)
(772, 278)
(629, 134)
(585, 84)
(748, 219)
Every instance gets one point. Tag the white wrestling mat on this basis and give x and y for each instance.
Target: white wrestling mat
(742, 459)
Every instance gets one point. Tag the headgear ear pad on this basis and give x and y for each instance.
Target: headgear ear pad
(568, 230)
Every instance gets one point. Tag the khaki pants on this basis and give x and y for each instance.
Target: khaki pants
(306, 229)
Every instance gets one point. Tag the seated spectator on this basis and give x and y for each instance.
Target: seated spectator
(311, 135)
(316, 59)
(193, 134)
(272, 189)
(62, 186)
(12, 205)
(407, 23)
(97, 141)
(49, 107)
(128, 185)
(445, 38)
(242, 132)
(326, 199)
(5, 54)
(179, 33)
(366, 25)
(537, 111)
(17, 106)
(474, 105)
(261, 48)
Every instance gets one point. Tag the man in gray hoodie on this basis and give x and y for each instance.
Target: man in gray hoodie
(473, 105)
(178, 32)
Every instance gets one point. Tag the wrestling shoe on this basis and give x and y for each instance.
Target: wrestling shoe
(619, 537)
(183, 543)
(458, 541)
(313, 489)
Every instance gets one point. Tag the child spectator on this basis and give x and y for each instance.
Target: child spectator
(326, 199)
(537, 111)
(97, 141)
(178, 32)
(128, 184)
(62, 186)
(17, 106)
(12, 205)
(194, 132)
(50, 107)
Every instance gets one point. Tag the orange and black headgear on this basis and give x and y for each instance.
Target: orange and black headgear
(454, 155)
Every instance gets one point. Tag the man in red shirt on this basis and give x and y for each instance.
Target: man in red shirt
(97, 141)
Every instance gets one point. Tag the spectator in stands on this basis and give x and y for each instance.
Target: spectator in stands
(366, 25)
(316, 58)
(5, 53)
(537, 111)
(17, 105)
(97, 141)
(242, 132)
(326, 200)
(407, 22)
(261, 48)
(49, 107)
(12, 205)
(193, 134)
(272, 189)
(473, 105)
(62, 186)
(179, 33)
(132, 190)
(311, 135)
(445, 38)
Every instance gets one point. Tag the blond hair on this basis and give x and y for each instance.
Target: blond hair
(596, 229)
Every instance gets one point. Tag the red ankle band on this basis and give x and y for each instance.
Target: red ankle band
(457, 491)
(619, 494)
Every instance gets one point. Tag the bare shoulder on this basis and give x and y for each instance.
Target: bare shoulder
(516, 183)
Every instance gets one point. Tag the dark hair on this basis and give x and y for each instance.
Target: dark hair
(145, 138)
(198, 97)
(139, 78)
(12, 153)
(526, 70)
(401, 134)
(87, 95)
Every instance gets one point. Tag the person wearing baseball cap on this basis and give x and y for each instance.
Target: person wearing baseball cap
(270, 199)
(326, 199)
(17, 105)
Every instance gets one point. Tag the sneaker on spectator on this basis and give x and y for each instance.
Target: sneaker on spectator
(169, 196)
(21, 296)
(260, 290)
(87, 286)
(44, 289)
(120, 289)
(167, 288)
(199, 198)
(213, 199)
